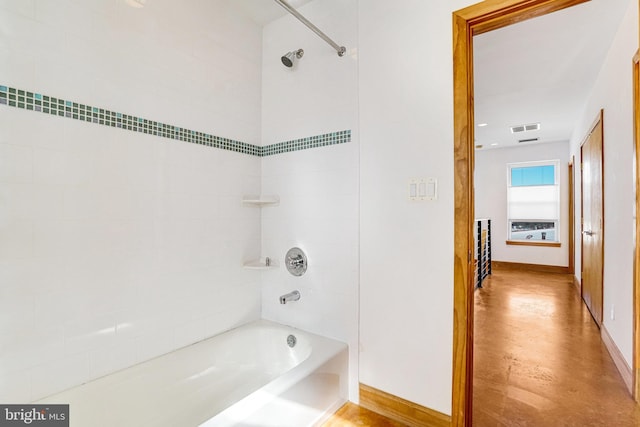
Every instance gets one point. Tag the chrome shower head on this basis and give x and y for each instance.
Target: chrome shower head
(288, 59)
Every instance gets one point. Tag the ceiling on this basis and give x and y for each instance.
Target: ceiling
(541, 71)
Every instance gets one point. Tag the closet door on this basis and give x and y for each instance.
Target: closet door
(593, 221)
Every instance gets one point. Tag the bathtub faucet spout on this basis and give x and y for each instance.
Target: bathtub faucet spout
(291, 296)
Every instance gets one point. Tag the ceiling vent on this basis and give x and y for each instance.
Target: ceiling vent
(528, 140)
(525, 128)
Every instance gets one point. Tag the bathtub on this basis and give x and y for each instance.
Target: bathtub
(248, 376)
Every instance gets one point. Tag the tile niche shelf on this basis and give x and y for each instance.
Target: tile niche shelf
(260, 201)
(260, 264)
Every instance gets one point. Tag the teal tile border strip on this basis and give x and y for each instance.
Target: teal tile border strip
(64, 108)
(323, 140)
(34, 101)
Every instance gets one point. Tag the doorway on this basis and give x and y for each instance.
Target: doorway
(476, 19)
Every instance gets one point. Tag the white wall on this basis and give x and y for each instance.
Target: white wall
(613, 92)
(406, 130)
(491, 201)
(116, 246)
(318, 187)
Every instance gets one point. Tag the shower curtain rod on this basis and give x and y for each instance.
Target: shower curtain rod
(340, 49)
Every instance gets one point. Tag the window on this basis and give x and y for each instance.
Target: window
(533, 202)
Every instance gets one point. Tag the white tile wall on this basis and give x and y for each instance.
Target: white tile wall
(116, 247)
(319, 94)
(322, 219)
(318, 188)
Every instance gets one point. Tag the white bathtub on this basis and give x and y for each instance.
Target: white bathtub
(245, 377)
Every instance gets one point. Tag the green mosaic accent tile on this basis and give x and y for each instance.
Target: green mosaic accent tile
(323, 140)
(65, 108)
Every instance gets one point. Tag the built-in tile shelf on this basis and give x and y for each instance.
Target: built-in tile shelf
(260, 264)
(260, 201)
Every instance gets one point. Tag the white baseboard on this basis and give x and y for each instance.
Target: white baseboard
(618, 359)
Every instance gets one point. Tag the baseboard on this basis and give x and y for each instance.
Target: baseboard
(618, 359)
(401, 410)
(505, 265)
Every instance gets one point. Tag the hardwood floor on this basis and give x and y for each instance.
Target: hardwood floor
(352, 415)
(539, 359)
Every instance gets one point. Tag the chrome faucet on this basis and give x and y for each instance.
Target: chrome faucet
(291, 296)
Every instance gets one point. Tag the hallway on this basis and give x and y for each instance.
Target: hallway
(539, 360)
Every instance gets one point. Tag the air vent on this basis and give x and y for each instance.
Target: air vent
(525, 128)
(528, 140)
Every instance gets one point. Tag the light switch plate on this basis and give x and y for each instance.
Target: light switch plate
(423, 189)
(431, 185)
(413, 189)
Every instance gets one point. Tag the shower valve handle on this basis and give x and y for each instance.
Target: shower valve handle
(296, 261)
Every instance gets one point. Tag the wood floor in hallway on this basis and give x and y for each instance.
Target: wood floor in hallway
(539, 360)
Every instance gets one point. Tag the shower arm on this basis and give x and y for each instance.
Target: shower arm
(340, 49)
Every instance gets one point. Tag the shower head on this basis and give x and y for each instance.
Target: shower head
(288, 59)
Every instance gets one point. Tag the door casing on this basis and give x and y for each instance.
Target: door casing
(572, 213)
(636, 257)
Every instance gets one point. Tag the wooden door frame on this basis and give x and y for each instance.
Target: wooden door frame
(599, 120)
(473, 20)
(635, 387)
(572, 213)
